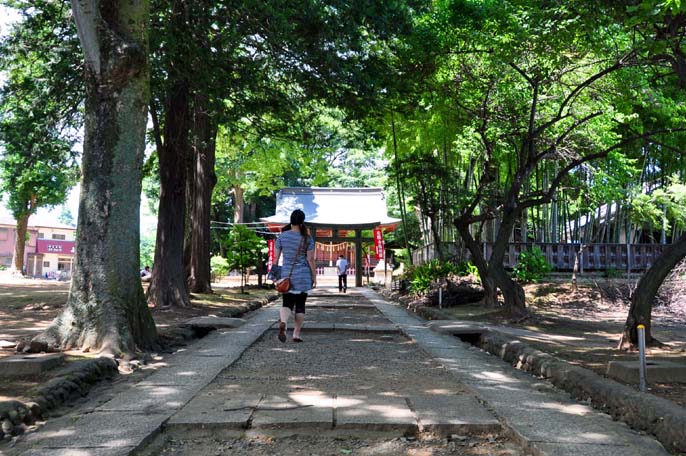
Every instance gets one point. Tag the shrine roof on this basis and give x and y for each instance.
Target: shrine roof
(333, 207)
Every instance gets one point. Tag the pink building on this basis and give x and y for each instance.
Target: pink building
(48, 252)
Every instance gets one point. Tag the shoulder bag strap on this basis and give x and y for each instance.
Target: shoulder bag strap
(295, 257)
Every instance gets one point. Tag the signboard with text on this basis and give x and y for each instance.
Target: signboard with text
(55, 246)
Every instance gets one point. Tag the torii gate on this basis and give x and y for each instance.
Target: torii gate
(330, 212)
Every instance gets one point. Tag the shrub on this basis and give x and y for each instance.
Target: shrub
(219, 266)
(466, 268)
(532, 266)
(612, 273)
(421, 276)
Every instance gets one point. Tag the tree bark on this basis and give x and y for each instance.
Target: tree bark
(640, 311)
(168, 286)
(168, 281)
(20, 243)
(238, 203)
(514, 302)
(106, 309)
(199, 279)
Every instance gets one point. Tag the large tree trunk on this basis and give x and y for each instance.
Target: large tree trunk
(641, 307)
(168, 285)
(106, 308)
(168, 281)
(199, 279)
(20, 244)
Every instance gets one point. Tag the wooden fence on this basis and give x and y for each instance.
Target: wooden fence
(593, 257)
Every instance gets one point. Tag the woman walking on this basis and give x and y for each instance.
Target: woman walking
(298, 253)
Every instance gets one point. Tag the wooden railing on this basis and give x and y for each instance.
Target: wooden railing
(593, 257)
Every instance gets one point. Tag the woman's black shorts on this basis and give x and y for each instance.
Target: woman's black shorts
(292, 300)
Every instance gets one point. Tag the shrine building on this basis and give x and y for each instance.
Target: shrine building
(341, 220)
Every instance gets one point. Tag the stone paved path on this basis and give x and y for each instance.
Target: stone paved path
(365, 365)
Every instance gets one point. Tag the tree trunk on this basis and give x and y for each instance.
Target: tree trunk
(168, 282)
(199, 279)
(168, 286)
(238, 203)
(513, 293)
(642, 300)
(106, 309)
(478, 259)
(20, 243)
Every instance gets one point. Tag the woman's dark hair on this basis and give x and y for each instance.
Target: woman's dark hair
(297, 218)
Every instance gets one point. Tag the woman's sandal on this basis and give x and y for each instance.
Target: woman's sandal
(282, 332)
(297, 339)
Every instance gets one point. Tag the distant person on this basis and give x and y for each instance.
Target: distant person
(146, 274)
(342, 266)
(298, 254)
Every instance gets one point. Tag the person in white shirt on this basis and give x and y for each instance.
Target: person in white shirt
(342, 266)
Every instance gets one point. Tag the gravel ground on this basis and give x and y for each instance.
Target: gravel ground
(336, 363)
(334, 446)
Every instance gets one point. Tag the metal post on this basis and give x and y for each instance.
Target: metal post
(440, 297)
(642, 354)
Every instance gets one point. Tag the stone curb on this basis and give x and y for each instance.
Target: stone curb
(16, 416)
(642, 411)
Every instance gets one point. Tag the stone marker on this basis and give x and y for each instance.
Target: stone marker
(658, 371)
(20, 365)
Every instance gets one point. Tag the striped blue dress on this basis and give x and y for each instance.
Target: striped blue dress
(301, 278)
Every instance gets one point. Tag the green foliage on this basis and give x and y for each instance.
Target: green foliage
(532, 266)
(657, 208)
(219, 266)
(147, 249)
(420, 277)
(66, 216)
(466, 268)
(244, 249)
(612, 273)
(39, 107)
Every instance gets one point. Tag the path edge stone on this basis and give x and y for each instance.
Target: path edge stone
(641, 411)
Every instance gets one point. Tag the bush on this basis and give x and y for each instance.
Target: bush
(612, 273)
(532, 266)
(420, 277)
(466, 268)
(219, 266)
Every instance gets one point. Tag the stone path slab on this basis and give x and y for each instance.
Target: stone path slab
(451, 413)
(375, 413)
(304, 410)
(211, 410)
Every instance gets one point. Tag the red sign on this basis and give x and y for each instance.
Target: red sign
(270, 256)
(378, 244)
(54, 246)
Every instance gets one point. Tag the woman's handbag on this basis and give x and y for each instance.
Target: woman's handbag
(284, 285)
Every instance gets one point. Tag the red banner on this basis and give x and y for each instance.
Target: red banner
(378, 244)
(270, 257)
